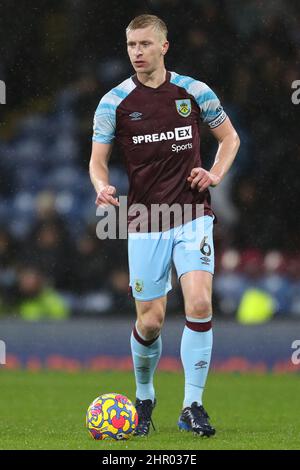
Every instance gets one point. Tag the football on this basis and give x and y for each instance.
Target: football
(111, 416)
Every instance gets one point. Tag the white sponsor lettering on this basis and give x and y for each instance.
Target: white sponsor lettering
(183, 133)
(179, 148)
(179, 133)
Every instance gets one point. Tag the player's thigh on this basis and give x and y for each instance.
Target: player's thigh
(197, 293)
(150, 262)
(194, 261)
(194, 247)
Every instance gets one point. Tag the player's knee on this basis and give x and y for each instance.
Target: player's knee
(198, 308)
(151, 316)
(152, 323)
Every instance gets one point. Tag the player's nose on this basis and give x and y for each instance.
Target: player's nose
(138, 52)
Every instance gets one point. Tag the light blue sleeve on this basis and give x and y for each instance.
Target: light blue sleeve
(105, 120)
(104, 130)
(211, 111)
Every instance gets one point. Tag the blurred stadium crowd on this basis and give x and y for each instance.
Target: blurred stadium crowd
(59, 58)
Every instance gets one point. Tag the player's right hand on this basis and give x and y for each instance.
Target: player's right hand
(105, 197)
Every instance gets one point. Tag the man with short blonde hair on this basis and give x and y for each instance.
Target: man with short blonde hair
(154, 117)
(143, 21)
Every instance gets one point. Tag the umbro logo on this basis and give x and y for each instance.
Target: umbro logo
(201, 365)
(143, 369)
(136, 116)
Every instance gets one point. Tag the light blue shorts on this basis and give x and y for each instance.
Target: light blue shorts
(189, 246)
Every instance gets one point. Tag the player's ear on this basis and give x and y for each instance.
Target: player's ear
(165, 47)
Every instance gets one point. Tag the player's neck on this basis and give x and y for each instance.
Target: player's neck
(154, 79)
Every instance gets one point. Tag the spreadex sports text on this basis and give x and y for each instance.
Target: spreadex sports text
(179, 133)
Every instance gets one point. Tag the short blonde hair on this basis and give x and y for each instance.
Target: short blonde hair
(143, 21)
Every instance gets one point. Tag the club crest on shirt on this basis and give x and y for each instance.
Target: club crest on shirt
(138, 285)
(184, 107)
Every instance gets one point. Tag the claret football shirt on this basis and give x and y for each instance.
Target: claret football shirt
(157, 130)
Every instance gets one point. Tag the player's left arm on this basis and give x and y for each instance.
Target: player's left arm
(229, 143)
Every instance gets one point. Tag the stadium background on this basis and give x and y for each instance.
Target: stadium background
(63, 292)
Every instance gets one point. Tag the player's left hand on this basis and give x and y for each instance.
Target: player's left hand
(202, 179)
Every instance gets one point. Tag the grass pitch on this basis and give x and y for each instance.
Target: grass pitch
(46, 410)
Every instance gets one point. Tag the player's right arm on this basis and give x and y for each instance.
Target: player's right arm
(99, 174)
(103, 137)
